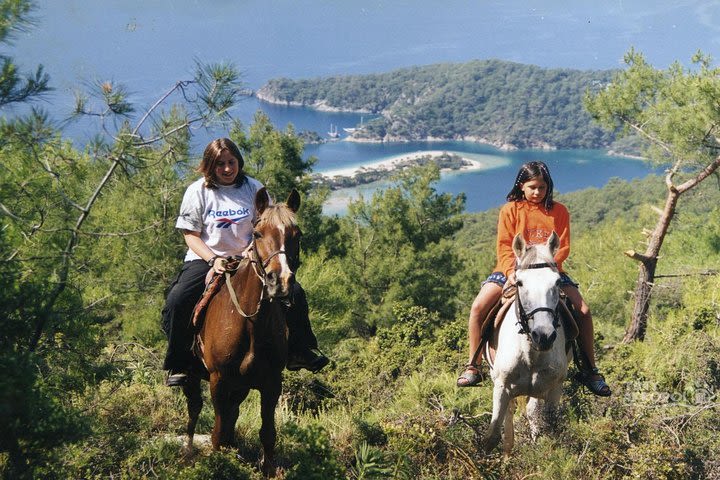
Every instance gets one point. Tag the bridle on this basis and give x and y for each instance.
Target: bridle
(259, 267)
(522, 315)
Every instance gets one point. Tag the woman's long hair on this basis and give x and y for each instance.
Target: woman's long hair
(212, 154)
(527, 172)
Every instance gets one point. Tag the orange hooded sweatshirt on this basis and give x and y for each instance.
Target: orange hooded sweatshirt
(536, 224)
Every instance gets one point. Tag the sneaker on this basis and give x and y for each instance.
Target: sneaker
(311, 359)
(176, 378)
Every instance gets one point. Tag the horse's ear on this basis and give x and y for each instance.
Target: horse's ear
(518, 246)
(262, 200)
(553, 243)
(293, 200)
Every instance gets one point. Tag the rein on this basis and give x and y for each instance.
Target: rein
(259, 268)
(522, 315)
(231, 290)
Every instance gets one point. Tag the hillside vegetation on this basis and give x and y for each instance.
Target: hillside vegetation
(390, 285)
(88, 248)
(502, 103)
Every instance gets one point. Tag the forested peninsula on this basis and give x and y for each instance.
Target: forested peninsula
(505, 104)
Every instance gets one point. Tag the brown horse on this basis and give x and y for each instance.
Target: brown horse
(244, 335)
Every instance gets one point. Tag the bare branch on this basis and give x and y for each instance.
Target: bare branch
(637, 256)
(179, 85)
(7, 212)
(645, 134)
(674, 275)
(706, 172)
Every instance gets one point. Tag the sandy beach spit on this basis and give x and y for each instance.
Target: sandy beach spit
(392, 163)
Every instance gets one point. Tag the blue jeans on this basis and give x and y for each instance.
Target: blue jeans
(500, 279)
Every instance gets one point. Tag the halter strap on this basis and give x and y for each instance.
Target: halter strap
(538, 265)
(259, 261)
(524, 317)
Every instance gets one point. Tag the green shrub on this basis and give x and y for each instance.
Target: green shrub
(310, 454)
(223, 465)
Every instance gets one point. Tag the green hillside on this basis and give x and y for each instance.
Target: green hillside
(497, 102)
(88, 247)
(393, 319)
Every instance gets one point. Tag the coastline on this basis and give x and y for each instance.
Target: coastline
(321, 106)
(396, 162)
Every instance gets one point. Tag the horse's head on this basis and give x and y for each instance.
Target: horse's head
(276, 242)
(538, 290)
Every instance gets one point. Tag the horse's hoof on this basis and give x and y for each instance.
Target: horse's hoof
(269, 471)
(490, 443)
(188, 450)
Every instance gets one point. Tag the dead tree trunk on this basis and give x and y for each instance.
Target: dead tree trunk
(648, 264)
(648, 260)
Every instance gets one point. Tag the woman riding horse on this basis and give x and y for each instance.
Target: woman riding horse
(243, 340)
(216, 218)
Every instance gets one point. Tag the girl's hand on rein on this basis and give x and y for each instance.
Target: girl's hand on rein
(219, 265)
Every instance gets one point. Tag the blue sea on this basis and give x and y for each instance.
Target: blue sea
(148, 46)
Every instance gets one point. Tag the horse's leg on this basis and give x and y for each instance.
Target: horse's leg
(236, 398)
(268, 401)
(509, 432)
(550, 410)
(535, 416)
(193, 397)
(223, 430)
(542, 413)
(501, 400)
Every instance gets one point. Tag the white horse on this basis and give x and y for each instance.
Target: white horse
(530, 357)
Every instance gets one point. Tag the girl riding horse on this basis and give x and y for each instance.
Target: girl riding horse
(532, 213)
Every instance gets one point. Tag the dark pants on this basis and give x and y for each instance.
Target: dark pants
(185, 291)
(301, 336)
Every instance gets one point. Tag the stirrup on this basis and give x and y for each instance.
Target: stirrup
(176, 378)
(312, 359)
(597, 387)
(472, 379)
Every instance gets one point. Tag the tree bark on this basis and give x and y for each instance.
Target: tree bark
(643, 290)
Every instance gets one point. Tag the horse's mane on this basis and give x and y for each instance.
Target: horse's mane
(278, 214)
(533, 255)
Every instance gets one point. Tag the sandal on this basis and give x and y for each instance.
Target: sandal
(597, 387)
(470, 377)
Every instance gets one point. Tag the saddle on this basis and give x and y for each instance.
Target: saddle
(497, 314)
(213, 284)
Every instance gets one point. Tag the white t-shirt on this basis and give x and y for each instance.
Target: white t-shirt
(224, 216)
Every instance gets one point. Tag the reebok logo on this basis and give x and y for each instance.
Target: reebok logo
(231, 216)
(242, 212)
(226, 222)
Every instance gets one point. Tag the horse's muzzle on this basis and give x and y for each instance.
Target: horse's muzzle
(279, 285)
(542, 340)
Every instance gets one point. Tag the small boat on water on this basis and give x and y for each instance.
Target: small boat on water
(333, 133)
(352, 130)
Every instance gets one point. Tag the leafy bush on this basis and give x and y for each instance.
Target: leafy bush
(309, 453)
(219, 466)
